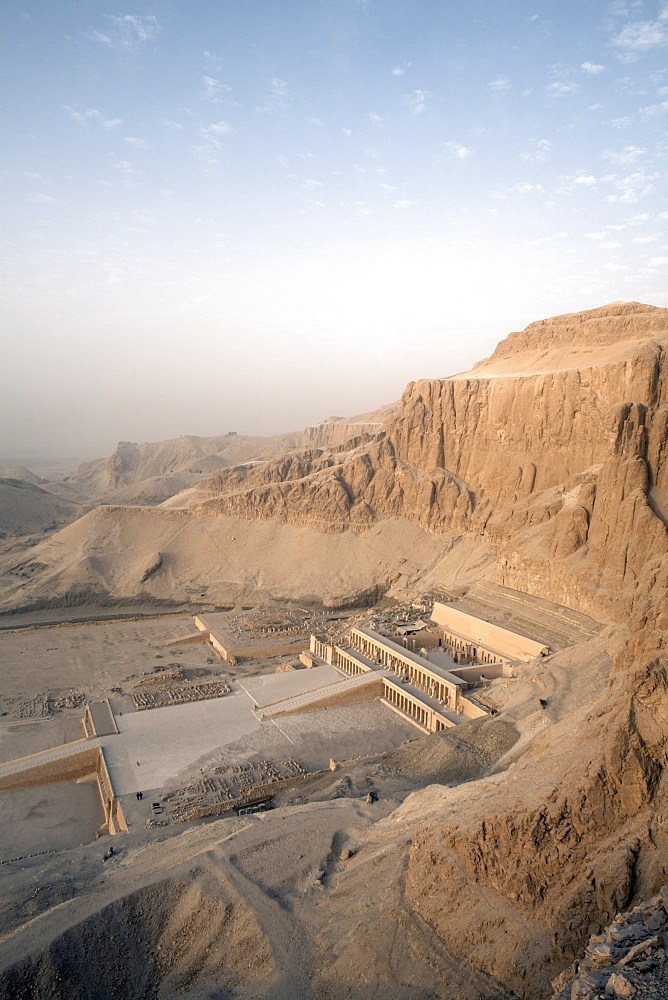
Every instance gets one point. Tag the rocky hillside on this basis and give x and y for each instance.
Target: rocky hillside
(627, 959)
(552, 455)
(26, 508)
(150, 473)
(561, 462)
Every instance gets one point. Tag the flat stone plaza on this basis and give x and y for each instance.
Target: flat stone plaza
(153, 747)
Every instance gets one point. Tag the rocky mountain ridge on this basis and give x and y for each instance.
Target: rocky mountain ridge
(187, 459)
(568, 468)
(562, 476)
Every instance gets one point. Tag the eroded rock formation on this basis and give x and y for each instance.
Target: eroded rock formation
(554, 450)
(551, 460)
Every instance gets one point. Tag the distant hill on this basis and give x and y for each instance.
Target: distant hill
(150, 473)
(26, 508)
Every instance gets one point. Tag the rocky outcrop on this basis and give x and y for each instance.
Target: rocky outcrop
(369, 487)
(132, 463)
(611, 324)
(554, 452)
(197, 457)
(628, 959)
(295, 465)
(580, 831)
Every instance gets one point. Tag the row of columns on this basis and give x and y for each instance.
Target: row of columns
(421, 677)
(412, 707)
(346, 663)
(465, 652)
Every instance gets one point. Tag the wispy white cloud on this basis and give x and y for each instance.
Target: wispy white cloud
(591, 69)
(400, 70)
(82, 117)
(546, 239)
(128, 171)
(417, 100)
(526, 188)
(138, 143)
(213, 134)
(627, 155)
(168, 123)
(212, 87)
(560, 88)
(127, 31)
(375, 118)
(651, 110)
(638, 37)
(539, 152)
(312, 184)
(499, 85)
(633, 187)
(38, 198)
(585, 180)
(280, 96)
(624, 8)
(643, 114)
(461, 152)
(404, 203)
(86, 115)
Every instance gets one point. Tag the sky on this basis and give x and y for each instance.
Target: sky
(253, 214)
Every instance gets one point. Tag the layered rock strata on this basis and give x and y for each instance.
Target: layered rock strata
(555, 451)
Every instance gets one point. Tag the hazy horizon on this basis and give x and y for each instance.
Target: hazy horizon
(252, 216)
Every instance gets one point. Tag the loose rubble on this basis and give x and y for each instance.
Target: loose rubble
(179, 695)
(229, 788)
(627, 960)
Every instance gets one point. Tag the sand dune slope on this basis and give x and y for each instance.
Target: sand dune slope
(26, 508)
(174, 556)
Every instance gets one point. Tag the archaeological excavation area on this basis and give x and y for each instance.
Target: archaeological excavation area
(166, 719)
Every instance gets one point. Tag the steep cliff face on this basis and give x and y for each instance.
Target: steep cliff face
(514, 435)
(554, 450)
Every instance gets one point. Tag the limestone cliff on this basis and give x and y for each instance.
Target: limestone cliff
(555, 451)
